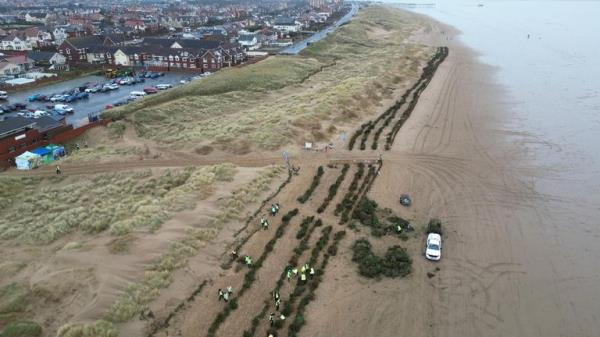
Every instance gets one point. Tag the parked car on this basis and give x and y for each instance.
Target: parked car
(109, 106)
(161, 74)
(111, 86)
(150, 90)
(433, 247)
(163, 86)
(20, 105)
(33, 97)
(83, 95)
(154, 75)
(63, 109)
(70, 98)
(137, 94)
(92, 89)
(3, 95)
(140, 79)
(40, 113)
(10, 107)
(57, 98)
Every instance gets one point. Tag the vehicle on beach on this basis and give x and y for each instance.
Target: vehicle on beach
(433, 247)
(163, 86)
(3, 95)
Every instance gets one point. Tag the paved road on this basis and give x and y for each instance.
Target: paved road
(93, 105)
(298, 47)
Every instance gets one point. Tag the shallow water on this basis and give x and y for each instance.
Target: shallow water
(547, 56)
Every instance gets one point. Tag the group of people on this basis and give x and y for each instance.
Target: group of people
(306, 269)
(276, 316)
(224, 295)
(273, 317)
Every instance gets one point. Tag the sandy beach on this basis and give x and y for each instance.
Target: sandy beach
(506, 270)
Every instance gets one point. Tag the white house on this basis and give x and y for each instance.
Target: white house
(249, 40)
(8, 68)
(286, 24)
(121, 59)
(36, 17)
(13, 42)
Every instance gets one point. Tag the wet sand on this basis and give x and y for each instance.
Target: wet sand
(514, 261)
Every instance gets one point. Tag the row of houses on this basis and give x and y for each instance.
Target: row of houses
(168, 54)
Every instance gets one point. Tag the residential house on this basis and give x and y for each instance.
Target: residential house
(87, 49)
(251, 41)
(14, 42)
(286, 24)
(61, 33)
(36, 17)
(9, 69)
(45, 58)
(24, 62)
(135, 24)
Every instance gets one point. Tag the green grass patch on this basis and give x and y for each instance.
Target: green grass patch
(22, 329)
(121, 202)
(100, 328)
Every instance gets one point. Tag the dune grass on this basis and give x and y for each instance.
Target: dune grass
(99, 329)
(116, 202)
(22, 329)
(289, 98)
(159, 275)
